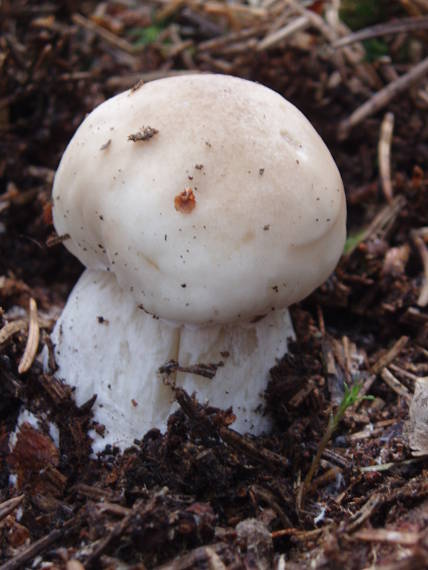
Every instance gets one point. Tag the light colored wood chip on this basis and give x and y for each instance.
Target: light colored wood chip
(32, 340)
(384, 155)
(12, 328)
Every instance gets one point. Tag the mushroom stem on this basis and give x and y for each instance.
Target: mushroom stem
(131, 396)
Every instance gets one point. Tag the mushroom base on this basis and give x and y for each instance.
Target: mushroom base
(106, 345)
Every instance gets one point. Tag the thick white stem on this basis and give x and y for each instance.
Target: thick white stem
(106, 345)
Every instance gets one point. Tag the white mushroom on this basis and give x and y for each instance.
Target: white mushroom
(202, 206)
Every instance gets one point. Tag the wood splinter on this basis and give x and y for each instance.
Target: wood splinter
(32, 340)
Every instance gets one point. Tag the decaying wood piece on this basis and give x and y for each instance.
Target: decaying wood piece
(384, 155)
(32, 340)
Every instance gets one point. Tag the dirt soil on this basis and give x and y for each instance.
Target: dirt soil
(201, 496)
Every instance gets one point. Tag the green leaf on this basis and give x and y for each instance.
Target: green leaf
(146, 36)
(353, 241)
(375, 49)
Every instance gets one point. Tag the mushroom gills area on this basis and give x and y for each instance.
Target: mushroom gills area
(106, 345)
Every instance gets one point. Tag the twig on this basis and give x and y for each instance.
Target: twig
(364, 513)
(395, 385)
(54, 239)
(384, 155)
(387, 535)
(402, 372)
(276, 37)
(113, 508)
(32, 340)
(229, 436)
(119, 529)
(94, 493)
(259, 493)
(387, 466)
(382, 98)
(37, 547)
(12, 328)
(200, 369)
(403, 25)
(381, 223)
(296, 533)
(231, 10)
(106, 35)
(221, 65)
(417, 237)
(316, 21)
(169, 9)
(327, 477)
(370, 431)
(10, 505)
(222, 41)
(390, 355)
(333, 457)
(127, 81)
(261, 455)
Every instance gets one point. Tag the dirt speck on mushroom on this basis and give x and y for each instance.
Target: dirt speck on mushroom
(185, 202)
(137, 86)
(144, 134)
(105, 145)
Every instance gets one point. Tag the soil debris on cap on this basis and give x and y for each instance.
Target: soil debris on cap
(144, 134)
(185, 202)
(105, 145)
(137, 86)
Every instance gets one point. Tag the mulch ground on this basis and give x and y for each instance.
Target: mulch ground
(201, 496)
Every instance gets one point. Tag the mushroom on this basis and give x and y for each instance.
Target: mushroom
(202, 206)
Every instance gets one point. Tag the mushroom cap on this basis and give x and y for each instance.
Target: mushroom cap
(211, 198)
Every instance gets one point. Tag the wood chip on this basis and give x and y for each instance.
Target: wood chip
(384, 155)
(32, 340)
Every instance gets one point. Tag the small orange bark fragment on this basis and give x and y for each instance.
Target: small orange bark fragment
(185, 202)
